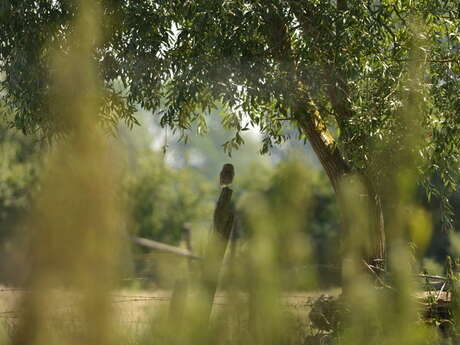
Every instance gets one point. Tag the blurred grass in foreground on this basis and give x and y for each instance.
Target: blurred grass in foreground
(75, 226)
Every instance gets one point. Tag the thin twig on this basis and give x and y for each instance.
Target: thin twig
(428, 276)
(446, 60)
(431, 277)
(377, 276)
(440, 291)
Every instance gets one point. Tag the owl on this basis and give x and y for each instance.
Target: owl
(226, 175)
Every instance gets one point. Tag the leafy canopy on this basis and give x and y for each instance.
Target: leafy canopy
(260, 61)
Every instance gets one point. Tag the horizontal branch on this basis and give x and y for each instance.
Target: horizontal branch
(162, 247)
(426, 276)
(445, 60)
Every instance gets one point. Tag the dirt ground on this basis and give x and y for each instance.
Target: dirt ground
(132, 306)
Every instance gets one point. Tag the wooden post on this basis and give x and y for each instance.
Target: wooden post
(178, 301)
(223, 221)
(187, 236)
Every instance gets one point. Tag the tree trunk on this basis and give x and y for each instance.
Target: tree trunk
(337, 169)
(308, 117)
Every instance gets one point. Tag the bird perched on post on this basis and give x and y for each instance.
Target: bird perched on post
(226, 175)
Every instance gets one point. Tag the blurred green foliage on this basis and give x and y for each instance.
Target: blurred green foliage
(19, 166)
(18, 174)
(163, 200)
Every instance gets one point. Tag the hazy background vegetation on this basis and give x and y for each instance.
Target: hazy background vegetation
(102, 105)
(169, 184)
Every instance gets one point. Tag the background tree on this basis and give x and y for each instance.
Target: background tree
(19, 169)
(18, 173)
(333, 70)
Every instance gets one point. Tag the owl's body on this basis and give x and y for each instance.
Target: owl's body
(226, 175)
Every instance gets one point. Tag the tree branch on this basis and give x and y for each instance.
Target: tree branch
(337, 88)
(443, 60)
(303, 107)
(324, 145)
